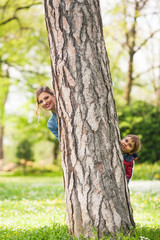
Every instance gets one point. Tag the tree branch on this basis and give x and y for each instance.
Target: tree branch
(16, 10)
(148, 70)
(141, 4)
(146, 40)
(5, 5)
(9, 20)
(151, 13)
(27, 7)
(20, 69)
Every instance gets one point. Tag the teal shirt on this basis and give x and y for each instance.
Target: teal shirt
(53, 125)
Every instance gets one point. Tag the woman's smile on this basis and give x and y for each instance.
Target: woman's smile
(47, 105)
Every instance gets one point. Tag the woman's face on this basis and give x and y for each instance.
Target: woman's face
(47, 101)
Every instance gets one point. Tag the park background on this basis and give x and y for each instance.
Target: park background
(27, 147)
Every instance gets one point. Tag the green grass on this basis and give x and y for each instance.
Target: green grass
(146, 171)
(34, 208)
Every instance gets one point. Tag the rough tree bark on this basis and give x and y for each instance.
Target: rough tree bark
(96, 191)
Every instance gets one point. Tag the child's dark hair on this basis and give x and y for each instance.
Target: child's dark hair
(137, 143)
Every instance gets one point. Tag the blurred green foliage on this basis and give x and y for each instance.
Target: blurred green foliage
(146, 171)
(24, 150)
(25, 65)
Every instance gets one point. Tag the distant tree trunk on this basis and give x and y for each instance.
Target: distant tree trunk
(129, 79)
(1, 142)
(1, 122)
(3, 98)
(96, 190)
(157, 97)
(156, 78)
(130, 39)
(55, 152)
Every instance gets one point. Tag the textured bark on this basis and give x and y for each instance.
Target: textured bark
(96, 191)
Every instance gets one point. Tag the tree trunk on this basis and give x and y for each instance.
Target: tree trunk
(129, 79)
(1, 121)
(55, 152)
(130, 39)
(96, 191)
(4, 85)
(1, 143)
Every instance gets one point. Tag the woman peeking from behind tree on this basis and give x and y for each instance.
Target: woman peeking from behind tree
(46, 99)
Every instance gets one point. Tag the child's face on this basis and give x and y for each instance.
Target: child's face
(127, 145)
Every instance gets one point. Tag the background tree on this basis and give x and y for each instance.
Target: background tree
(153, 58)
(128, 19)
(96, 192)
(3, 98)
(24, 153)
(25, 64)
(23, 49)
(38, 133)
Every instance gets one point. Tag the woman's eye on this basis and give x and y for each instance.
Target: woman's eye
(46, 97)
(40, 102)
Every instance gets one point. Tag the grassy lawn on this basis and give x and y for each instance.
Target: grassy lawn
(33, 208)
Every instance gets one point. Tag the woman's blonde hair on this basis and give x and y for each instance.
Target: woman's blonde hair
(39, 91)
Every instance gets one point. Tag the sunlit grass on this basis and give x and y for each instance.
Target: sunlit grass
(146, 208)
(28, 203)
(150, 171)
(34, 208)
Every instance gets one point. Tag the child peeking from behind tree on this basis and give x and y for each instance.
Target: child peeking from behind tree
(130, 146)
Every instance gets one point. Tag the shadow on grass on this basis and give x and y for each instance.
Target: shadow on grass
(60, 232)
